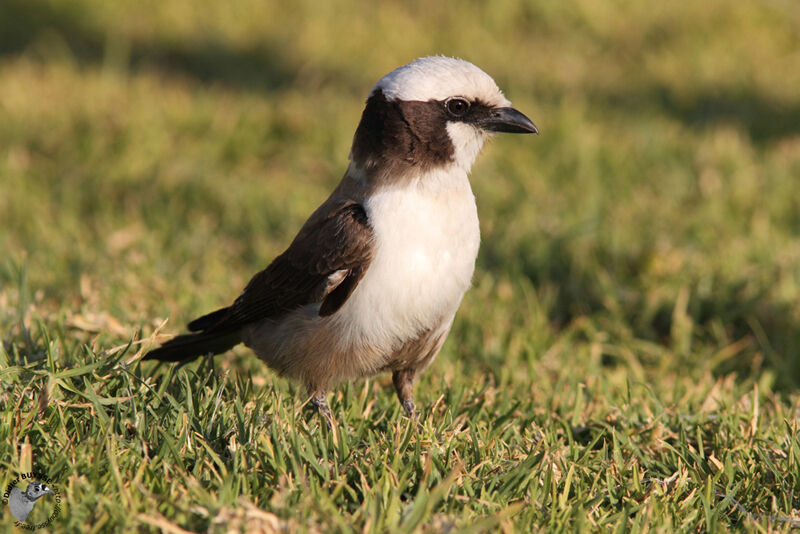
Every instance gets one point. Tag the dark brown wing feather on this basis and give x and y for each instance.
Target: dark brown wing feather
(341, 241)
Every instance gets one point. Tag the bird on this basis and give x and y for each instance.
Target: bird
(373, 279)
(21, 502)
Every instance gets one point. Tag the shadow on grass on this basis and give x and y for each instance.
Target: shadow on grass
(610, 288)
(762, 118)
(24, 24)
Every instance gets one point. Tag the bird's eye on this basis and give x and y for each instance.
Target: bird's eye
(457, 106)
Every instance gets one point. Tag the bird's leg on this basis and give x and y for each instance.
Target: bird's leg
(404, 384)
(318, 399)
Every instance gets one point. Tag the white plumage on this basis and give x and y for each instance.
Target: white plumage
(427, 238)
(438, 78)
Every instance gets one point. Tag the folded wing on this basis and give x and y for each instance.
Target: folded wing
(323, 265)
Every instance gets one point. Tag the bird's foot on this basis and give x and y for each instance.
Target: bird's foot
(411, 409)
(318, 399)
(404, 383)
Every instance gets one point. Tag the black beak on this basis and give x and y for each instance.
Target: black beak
(507, 120)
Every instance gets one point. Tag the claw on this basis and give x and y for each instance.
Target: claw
(404, 383)
(411, 410)
(318, 399)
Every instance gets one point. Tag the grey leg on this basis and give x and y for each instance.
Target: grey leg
(318, 399)
(404, 385)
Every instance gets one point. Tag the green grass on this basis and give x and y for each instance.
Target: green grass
(629, 356)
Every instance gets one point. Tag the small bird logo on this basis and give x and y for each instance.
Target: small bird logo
(21, 502)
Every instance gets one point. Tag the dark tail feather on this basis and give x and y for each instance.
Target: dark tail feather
(191, 346)
(208, 320)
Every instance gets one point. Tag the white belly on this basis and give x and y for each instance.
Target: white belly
(427, 238)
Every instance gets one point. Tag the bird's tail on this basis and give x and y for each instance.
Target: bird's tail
(209, 320)
(190, 346)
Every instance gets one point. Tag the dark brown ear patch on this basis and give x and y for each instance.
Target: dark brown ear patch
(394, 136)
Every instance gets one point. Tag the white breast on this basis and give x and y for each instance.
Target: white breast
(427, 239)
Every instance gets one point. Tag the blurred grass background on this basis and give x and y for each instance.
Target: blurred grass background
(153, 155)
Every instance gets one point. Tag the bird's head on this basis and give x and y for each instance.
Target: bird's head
(436, 111)
(36, 490)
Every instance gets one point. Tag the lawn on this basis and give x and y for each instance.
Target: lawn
(627, 360)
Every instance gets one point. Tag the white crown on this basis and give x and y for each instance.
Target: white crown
(439, 78)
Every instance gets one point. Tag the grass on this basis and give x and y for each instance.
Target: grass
(629, 356)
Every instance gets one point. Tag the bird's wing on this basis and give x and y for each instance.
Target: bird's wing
(324, 264)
